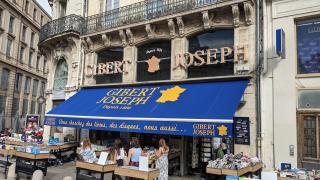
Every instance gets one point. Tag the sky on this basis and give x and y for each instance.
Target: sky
(45, 5)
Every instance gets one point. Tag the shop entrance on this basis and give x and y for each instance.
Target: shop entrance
(188, 155)
(308, 133)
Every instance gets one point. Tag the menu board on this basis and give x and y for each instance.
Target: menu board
(242, 130)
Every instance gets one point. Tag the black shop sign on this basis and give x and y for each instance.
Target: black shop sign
(241, 130)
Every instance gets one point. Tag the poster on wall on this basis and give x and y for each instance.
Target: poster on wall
(241, 130)
(32, 121)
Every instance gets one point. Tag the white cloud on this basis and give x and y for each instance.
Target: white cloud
(45, 5)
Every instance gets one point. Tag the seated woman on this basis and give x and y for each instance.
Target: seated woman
(87, 152)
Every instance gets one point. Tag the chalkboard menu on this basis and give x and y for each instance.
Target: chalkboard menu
(241, 130)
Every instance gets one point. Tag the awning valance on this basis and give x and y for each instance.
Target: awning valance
(197, 109)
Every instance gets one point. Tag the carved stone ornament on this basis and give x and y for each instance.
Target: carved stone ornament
(172, 27)
(206, 19)
(150, 29)
(235, 12)
(74, 64)
(106, 39)
(89, 42)
(180, 26)
(248, 11)
(130, 36)
(123, 37)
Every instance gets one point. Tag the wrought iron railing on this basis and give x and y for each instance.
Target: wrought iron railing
(137, 12)
(70, 23)
(141, 11)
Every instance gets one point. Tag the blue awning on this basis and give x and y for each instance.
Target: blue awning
(195, 109)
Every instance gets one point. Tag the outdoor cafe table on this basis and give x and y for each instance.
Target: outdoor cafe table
(94, 168)
(131, 171)
(28, 163)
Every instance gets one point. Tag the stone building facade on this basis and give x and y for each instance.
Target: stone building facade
(23, 68)
(124, 28)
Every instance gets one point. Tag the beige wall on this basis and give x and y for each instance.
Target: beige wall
(280, 84)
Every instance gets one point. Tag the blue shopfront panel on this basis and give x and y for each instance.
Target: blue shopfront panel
(202, 109)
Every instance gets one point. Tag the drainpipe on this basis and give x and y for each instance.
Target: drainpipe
(259, 67)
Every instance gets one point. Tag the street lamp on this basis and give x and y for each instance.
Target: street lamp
(41, 100)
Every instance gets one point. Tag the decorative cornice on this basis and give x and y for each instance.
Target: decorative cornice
(248, 12)
(130, 36)
(235, 12)
(123, 37)
(150, 29)
(172, 27)
(180, 25)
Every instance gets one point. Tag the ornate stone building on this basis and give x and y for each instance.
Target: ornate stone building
(107, 43)
(23, 68)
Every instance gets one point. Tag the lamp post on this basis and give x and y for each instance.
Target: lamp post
(41, 100)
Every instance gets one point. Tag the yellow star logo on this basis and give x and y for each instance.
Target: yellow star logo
(223, 130)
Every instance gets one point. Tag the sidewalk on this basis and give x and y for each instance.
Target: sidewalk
(68, 169)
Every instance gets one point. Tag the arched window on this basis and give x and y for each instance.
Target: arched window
(61, 75)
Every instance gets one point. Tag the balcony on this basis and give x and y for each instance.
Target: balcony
(68, 24)
(141, 11)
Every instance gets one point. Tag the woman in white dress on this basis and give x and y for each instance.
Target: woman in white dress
(162, 160)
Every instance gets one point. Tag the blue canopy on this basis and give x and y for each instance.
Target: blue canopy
(195, 109)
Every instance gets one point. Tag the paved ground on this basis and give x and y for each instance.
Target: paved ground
(68, 169)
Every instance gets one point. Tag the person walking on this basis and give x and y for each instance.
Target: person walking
(162, 160)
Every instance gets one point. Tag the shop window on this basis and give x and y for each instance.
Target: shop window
(61, 75)
(154, 61)
(308, 141)
(308, 46)
(18, 83)
(109, 55)
(211, 40)
(5, 79)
